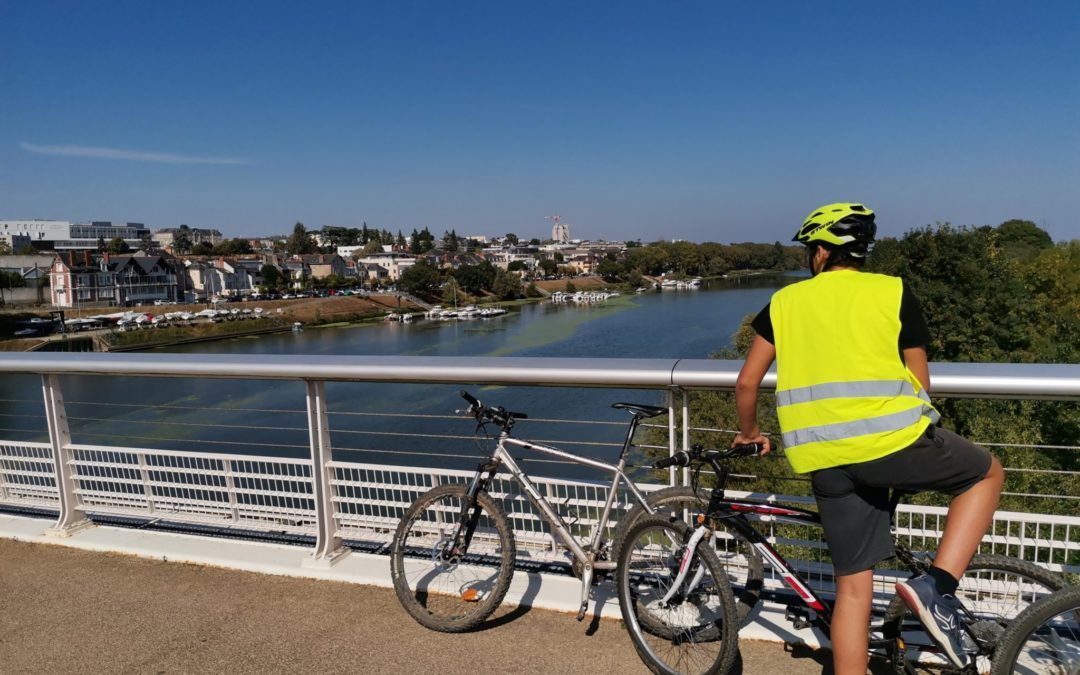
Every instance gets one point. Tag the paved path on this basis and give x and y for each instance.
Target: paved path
(63, 610)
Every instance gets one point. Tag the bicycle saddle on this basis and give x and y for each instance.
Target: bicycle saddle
(639, 409)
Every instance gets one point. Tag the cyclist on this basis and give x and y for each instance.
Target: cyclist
(852, 401)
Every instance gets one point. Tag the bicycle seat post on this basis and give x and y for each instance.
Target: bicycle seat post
(634, 421)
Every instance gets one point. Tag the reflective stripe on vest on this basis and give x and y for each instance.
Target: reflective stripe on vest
(873, 425)
(816, 392)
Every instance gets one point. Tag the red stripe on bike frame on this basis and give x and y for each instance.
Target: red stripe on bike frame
(761, 508)
(803, 592)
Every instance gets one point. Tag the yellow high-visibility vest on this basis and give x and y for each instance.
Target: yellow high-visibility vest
(843, 393)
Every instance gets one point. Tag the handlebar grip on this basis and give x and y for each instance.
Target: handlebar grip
(747, 450)
(469, 397)
(680, 458)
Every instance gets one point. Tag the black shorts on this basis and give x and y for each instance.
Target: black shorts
(853, 499)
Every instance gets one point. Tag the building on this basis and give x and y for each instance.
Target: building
(560, 232)
(63, 235)
(323, 265)
(393, 262)
(81, 278)
(222, 278)
(166, 237)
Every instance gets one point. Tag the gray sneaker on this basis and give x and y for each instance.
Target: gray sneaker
(939, 614)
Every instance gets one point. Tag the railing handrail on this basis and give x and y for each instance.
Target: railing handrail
(984, 380)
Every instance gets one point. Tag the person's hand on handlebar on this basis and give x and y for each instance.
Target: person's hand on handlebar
(753, 437)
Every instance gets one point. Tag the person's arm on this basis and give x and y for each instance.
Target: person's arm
(762, 353)
(916, 361)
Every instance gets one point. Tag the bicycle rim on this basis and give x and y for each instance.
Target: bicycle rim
(1044, 640)
(697, 630)
(451, 591)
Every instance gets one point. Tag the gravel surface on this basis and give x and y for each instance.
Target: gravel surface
(64, 610)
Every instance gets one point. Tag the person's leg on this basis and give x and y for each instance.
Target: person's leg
(851, 621)
(970, 515)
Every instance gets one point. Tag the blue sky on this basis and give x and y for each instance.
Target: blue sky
(697, 120)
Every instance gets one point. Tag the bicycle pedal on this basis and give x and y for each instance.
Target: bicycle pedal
(581, 612)
(798, 617)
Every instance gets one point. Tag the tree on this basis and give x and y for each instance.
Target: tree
(117, 245)
(11, 279)
(570, 287)
(1023, 239)
(507, 285)
(182, 242)
(531, 291)
(235, 246)
(549, 267)
(271, 276)
(370, 248)
(516, 266)
(511, 238)
(421, 242)
(420, 279)
(147, 243)
(534, 242)
(5, 247)
(202, 248)
(450, 241)
(610, 271)
(450, 291)
(300, 242)
(475, 279)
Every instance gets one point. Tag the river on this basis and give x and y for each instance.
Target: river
(268, 418)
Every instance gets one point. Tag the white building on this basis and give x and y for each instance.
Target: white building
(63, 235)
(560, 232)
(394, 263)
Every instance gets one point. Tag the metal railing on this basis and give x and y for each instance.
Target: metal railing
(332, 500)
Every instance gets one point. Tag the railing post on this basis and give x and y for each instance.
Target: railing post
(144, 476)
(671, 432)
(328, 547)
(71, 519)
(230, 488)
(685, 432)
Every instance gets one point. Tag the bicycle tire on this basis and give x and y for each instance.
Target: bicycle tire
(741, 560)
(1044, 638)
(995, 589)
(700, 631)
(469, 588)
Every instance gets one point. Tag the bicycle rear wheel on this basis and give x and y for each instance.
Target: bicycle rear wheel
(994, 590)
(741, 560)
(696, 630)
(446, 590)
(1044, 639)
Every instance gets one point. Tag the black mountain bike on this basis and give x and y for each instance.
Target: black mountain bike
(656, 572)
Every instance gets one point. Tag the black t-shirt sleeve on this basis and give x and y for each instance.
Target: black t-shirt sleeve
(913, 330)
(762, 325)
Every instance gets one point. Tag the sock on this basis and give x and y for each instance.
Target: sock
(945, 582)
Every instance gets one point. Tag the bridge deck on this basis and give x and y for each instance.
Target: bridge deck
(64, 610)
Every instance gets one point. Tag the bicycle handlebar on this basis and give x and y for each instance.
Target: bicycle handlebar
(499, 415)
(683, 457)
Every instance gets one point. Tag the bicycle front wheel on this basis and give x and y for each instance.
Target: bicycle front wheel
(1044, 639)
(740, 559)
(685, 630)
(449, 589)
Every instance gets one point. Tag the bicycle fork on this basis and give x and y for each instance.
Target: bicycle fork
(470, 509)
(684, 567)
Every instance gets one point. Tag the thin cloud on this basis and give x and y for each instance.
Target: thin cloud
(91, 152)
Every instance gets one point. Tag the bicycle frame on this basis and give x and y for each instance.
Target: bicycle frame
(585, 555)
